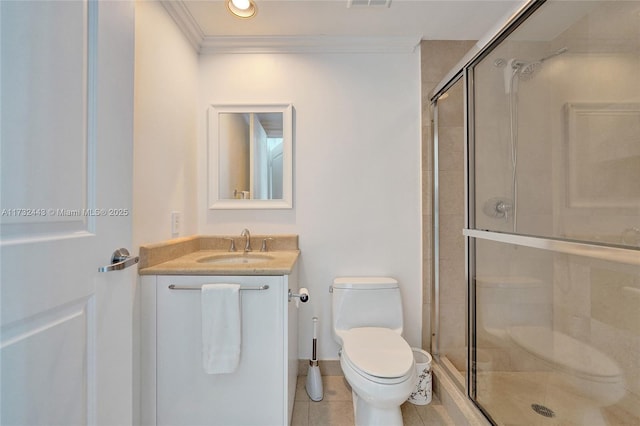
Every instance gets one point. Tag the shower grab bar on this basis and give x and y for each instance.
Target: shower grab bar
(258, 288)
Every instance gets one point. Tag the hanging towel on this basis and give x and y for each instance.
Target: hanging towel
(221, 328)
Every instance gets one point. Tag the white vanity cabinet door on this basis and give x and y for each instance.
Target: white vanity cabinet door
(257, 393)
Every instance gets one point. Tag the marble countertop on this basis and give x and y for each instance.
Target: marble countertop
(209, 255)
(280, 263)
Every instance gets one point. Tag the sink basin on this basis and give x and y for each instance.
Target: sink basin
(234, 259)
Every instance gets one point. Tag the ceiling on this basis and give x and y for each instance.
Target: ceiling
(419, 19)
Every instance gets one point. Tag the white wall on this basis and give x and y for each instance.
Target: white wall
(165, 134)
(165, 127)
(356, 169)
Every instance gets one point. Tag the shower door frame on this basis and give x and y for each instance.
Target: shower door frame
(435, 341)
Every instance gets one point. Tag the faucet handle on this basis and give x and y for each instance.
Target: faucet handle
(264, 244)
(232, 247)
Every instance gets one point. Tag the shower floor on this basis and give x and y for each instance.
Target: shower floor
(509, 397)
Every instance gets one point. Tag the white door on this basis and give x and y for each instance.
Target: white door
(276, 172)
(66, 160)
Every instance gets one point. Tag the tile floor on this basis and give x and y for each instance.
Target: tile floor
(336, 408)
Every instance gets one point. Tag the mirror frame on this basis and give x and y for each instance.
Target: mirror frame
(213, 146)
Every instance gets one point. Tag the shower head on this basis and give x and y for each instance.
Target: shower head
(525, 70)
(517, 69)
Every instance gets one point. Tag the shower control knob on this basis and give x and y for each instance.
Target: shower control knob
(498, 208)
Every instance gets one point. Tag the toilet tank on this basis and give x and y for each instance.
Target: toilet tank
(365, 302)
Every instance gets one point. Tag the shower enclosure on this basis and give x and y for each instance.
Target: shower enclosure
(552, 223)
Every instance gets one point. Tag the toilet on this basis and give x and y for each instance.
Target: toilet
(376, 361)
(517, 315)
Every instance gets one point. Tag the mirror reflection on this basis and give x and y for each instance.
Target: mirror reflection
(250, 156)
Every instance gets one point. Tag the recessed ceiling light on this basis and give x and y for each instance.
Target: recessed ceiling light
(242, 8)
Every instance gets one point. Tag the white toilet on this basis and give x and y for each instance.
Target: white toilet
(376, 361)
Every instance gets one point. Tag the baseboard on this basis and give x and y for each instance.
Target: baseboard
(328, 367)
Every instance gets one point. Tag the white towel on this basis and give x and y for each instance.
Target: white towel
(221, 328)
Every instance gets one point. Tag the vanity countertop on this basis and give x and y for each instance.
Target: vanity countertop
(209, 255)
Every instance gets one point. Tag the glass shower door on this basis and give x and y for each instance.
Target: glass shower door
(554, 232)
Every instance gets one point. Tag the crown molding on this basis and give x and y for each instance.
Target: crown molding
(185, 21)
(282, 44)
(308, 44)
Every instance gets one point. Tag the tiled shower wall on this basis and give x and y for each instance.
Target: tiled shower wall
(438, 57)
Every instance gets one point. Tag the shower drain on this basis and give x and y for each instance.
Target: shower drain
(542, 410)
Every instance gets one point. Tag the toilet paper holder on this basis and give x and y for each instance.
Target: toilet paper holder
(303, 295)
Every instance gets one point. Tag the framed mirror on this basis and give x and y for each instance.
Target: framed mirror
(250, 156)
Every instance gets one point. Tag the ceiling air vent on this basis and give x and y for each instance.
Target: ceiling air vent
(368, 3)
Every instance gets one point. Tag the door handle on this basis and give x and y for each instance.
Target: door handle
(120, 259)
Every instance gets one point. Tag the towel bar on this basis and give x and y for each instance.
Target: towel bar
(174, 287)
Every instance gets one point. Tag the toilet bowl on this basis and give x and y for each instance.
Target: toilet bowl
(376, 361)
(378, 364)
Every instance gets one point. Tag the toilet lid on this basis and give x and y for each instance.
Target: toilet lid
(564, 351)
(378, 352)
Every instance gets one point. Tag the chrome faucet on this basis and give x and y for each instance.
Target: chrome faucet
(247, 239)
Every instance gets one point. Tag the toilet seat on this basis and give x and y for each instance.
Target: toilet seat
(565, 352)
(378, 354)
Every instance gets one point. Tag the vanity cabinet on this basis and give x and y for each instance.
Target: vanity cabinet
(175, 388)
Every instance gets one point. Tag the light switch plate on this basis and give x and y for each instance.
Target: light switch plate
(176, 223)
